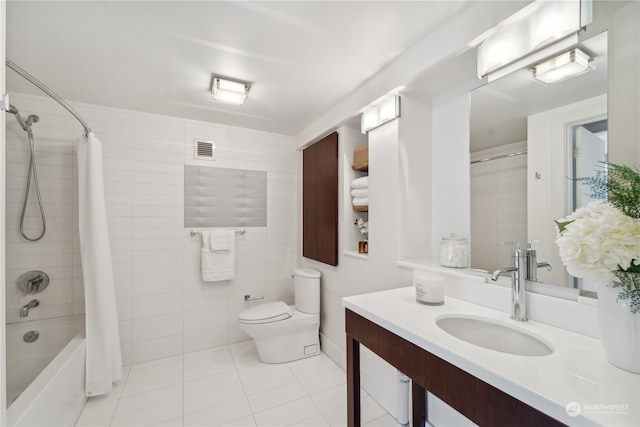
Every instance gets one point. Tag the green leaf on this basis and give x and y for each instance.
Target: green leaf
(562, 225)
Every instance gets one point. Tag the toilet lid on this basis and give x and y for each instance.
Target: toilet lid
(266, 313)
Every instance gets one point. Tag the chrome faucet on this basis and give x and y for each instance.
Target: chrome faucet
(532, 263)
(24, 311)
(518, 282)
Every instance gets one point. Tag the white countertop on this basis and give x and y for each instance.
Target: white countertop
(576, 371)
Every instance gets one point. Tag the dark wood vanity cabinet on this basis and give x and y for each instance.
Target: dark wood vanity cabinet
(320, 200)
(482, 403)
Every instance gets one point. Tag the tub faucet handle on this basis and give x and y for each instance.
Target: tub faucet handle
(33, 282)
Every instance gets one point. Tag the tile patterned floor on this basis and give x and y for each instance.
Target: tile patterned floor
(228, 386)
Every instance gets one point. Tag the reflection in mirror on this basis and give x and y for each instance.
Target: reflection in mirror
(527, 140)
(589, 152)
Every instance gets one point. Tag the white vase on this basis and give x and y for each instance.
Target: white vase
(619, 329)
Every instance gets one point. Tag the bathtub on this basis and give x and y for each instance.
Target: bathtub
(45, 378)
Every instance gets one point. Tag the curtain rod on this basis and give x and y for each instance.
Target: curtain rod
(502, 156)
(49, 92)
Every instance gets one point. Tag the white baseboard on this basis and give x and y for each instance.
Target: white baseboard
(334, 352)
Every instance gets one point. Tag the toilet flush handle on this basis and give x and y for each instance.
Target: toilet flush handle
(250, 298)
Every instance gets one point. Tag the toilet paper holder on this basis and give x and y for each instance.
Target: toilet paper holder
(250, 298)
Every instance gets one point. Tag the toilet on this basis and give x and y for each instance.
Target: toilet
(283, 333)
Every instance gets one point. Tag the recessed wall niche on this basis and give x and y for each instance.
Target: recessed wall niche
(221, 197)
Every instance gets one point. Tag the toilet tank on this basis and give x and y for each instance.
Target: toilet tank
(307, 290)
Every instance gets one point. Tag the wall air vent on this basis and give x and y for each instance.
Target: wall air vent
(204, 150)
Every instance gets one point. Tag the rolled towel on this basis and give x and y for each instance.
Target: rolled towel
(360, 192)
(360, 201)
(360, 182)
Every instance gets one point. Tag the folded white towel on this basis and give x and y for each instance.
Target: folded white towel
(360, 182)
(218, 265)
(360, 192)
(360, 201)
(218, 239)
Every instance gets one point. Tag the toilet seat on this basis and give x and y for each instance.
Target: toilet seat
(266, 313)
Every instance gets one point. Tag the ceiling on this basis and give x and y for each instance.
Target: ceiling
(159, 56)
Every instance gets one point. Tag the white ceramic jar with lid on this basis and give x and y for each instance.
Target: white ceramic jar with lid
(454, 251)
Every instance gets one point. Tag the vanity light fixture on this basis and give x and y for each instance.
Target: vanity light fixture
(564, 66)
(229, 91)
(537, 26)
(380, 112)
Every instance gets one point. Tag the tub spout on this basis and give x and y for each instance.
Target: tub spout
(24, 311)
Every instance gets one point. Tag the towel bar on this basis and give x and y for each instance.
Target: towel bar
(194, 233)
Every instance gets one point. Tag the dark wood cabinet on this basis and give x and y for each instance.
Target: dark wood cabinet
(320, 200)
(477, 400)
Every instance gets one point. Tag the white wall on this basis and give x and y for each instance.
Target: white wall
(54, 254)
(164, 307)
(450, 203)
(414, 178)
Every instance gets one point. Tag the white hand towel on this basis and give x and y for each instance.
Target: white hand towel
(218, 239)
(360, 192)
(360, 201)
(360, 182)
(218, 265)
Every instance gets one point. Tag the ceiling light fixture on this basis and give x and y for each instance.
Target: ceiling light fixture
(564, 66)
(229, 91)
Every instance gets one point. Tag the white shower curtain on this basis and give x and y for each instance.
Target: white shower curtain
(104, 359)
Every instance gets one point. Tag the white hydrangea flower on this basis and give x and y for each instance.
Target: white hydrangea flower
(599, 240)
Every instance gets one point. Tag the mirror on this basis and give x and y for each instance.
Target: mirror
(526, 140)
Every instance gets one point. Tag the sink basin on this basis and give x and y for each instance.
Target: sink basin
(494, 335)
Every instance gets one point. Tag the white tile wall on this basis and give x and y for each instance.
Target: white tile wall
(54, 253)
(164, 307)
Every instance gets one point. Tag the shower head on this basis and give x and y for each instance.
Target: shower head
(25, 124)
(32, 119)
